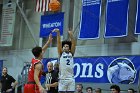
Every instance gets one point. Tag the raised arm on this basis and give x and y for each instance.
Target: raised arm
(44, 48)
(59, 45)
(73, 42)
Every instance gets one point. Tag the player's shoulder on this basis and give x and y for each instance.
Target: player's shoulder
(66, 53)
(34, 61)
(38, 66)
(62, 54)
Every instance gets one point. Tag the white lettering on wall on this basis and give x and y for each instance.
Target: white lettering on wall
(99, 70)
(50, 25)
(86, 70)
(77, 70)
(86, 67)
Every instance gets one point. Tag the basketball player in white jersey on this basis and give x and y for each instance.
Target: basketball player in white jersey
(66, 51)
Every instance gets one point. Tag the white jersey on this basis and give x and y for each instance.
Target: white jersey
(66, 65)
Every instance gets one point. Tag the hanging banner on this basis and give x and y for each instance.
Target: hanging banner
(1, 67)
(8, 23)
(116, 18)
(49, 22)
(137, 27)
(90, 17)
(105, 69)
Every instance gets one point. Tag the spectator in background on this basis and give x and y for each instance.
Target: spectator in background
(79, 88)
(89, 90)
(98, 90)
(51, 79)
(115, 89)
(8, 83)
(56, 67)
(131, 90)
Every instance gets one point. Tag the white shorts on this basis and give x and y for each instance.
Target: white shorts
(66, 85)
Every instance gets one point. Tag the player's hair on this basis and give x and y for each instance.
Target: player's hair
(98, 89)
(37, 51)
(116, 87)
(5, 68)
(132, 90)
(80, 85)
(89, 88)
(67, 42)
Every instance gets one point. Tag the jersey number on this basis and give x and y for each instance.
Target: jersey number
(68, 62)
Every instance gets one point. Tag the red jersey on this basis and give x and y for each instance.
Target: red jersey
(31, 70)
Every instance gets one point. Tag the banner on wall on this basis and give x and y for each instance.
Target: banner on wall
(49, 22)
(116, 18)
(1, 66)
(90, 17)
(8, 23)
(137, 28)
(107, 69)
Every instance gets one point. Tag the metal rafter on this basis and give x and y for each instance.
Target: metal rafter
(27, 23)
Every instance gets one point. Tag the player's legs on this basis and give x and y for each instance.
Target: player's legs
(36, 89)
(71, 86)
(62, 86)
(67, 86)
(26, 88)
(30, 88)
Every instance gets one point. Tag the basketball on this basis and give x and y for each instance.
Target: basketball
(54, 5)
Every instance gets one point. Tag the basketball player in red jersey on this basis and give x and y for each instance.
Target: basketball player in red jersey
(33, 85)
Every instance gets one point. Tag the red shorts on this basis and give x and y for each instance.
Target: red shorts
(31, 88)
